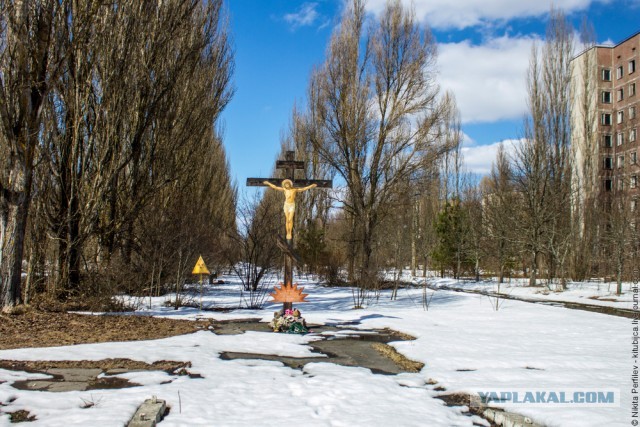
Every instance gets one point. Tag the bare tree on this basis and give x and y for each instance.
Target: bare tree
(375, 99)
(476, 247)
(542, 168)
(585, 162)
(427, 207)
(258, 256)
(619, 221)
(500, 204)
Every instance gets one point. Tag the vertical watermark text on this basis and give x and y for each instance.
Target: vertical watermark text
(635, 383)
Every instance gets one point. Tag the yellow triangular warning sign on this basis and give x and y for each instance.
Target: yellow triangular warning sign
(201, 267)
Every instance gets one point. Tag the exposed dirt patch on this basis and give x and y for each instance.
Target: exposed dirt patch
(108, 383)
(43, 329)
(21, 416)
(105, 365)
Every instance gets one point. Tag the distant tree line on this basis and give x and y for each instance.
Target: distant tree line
(376, 121)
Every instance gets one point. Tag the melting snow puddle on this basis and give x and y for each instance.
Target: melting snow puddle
(333, 344)
(66, 376)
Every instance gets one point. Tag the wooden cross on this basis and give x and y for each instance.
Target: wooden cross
(289, 165)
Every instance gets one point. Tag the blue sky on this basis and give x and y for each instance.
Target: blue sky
(483, 45)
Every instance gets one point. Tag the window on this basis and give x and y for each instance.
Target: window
(606, 119)
(619, 138)
(632, 135)
(632, 112)
(620, 162)
(608, 163)
(632, 89)
(620, 93)
(633, 181)
(634, 205)
(633, 158)
(606, 97)
(620, 184)
(632, 66)
(620, 116)
(619, 72)
(607, 140)
(606, 74)
(607, 185)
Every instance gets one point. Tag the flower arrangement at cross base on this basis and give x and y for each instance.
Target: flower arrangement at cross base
(289, 321)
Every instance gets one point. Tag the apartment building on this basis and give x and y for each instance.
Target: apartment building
(605, 108)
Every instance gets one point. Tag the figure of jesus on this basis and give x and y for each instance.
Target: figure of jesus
(289, 201)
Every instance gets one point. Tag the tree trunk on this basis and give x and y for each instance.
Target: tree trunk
(367, 252)
(619, 269)
(69, 246)
(414, 224)
(26, 44)
(534, 269)
(477, 268)
(351, 268)
(13, 225)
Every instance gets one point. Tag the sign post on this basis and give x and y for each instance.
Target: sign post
(200, 269)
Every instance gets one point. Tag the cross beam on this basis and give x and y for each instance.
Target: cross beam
(290, 165)
(297, 183)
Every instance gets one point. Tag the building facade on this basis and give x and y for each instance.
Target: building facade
(605, 108)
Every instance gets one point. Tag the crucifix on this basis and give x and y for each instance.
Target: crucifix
(290, 186)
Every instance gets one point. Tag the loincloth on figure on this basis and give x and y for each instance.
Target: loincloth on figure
(289, 207)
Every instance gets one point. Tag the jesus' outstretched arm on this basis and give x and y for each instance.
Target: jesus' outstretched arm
(275, 187)
(308, 187)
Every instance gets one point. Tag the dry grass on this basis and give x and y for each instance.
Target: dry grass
(104, 365)
(398, 358)
(45, 329)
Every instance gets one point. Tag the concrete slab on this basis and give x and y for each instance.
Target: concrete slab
(508, 419)
(32, 385)
(75, 374)
(51, 385)
(62, 386)
(149, 413)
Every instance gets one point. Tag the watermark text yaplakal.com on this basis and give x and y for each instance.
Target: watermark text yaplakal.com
(607, 398)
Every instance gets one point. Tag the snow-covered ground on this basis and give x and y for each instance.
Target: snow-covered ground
(593, 293)
(465, 344)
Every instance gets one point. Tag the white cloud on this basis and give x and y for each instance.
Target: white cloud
(487, 80)
(306, 15)
(479, 158)
(445, 14)
(608, 42)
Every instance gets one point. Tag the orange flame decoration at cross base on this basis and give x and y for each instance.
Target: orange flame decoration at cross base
(288, 293)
